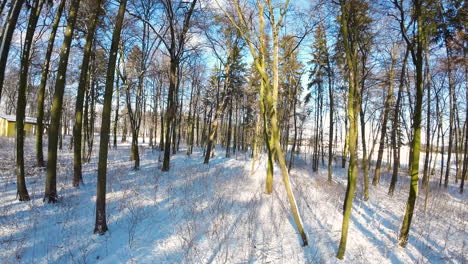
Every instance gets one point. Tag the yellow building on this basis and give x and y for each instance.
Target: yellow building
(8, 126)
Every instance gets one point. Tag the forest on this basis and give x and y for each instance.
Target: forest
(233, 131)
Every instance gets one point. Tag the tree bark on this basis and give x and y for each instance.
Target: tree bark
(56, 111)
(36, 7)
(77, 128)
(43, 84)
(416, 143)
(7, 35)
(101, 224)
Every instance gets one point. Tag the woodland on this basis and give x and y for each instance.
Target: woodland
(233, 131)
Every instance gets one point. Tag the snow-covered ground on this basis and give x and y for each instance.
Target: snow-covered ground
(217, 213)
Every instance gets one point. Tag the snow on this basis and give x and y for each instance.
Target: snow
(217, 213)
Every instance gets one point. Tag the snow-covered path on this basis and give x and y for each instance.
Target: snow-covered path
(217, 213)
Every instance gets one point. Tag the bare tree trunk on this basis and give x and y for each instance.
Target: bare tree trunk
(452, 114)
(77, 128)
(396, 128)
(22, 192)
(170, 113)
(416, 143)
(116, 115)
(43, 84)
(101, 223)
(56, 110)
(7, 35)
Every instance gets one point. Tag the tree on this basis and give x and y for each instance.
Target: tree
(56, 111)
(268, 85)
(415, 46)
(77, 128)
(175, 47)
(386, 111)
(21, 105)
(43, 84)
(230, 78)
(7, 35)
(134, 95)
(353, 18)
(101, 223)
(395, 136)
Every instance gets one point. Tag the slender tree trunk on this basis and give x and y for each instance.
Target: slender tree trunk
(56, 111)
(161, 136)
(353, 109)
(428, 129)
(101, 224)
(346, 145)
(229, 131)
(416, 143)
(116, 115)
(22, 192)
(92, 116)
(452, 114)
(464, 175)
(364, 155)
(77, 128)
(330, 132)
(214, 128)
(7, 35)
(170, 113)
(396, 128)
(43, 84)
(293, 149)
(376, 179)
(85, 123)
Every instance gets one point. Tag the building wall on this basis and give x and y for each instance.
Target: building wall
(8, 129)
(3, 127)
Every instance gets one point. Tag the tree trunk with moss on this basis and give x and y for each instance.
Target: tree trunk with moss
(77, 128)
(417, 55)
(56, 110)
(353, 109)
(101, 223)
(36, 7)
(43, 84)
(7, 35)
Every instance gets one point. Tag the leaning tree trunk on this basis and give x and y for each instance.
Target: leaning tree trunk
(43, 84)
(77, 128)
(416, 143)
(272, 99)
(395, 123)
(101, 224)
(214, 129)
(56, 111)
(170, 113)
(10, 26)
(376, 179)
(353, 109)
(36, 8)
